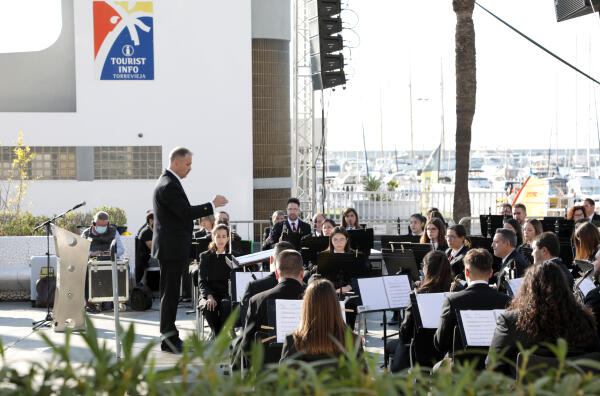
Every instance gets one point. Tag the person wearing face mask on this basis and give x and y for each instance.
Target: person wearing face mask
(101, 234)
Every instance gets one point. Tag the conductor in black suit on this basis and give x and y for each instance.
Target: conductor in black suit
(173, 226)
(291, 224)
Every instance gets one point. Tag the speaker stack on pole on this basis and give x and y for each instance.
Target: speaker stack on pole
(326, 44)
(568, 9)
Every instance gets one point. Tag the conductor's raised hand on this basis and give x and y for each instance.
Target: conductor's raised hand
(219, 201)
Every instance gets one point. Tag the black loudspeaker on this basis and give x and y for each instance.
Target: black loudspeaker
(324, 8)
(326, 45)
(328, 79)
(325, 62)
(569, 9)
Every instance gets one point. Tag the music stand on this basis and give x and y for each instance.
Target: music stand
(490, 223)
(418, 249)
(349, 265)
(401, 262)
(566, 251)
(243, 247)
(387, 239)
(362, 240)
(310, 246)
(292, 237)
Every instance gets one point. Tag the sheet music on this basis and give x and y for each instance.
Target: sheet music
(372, 293)
(288, 314)
(430, 308)
(515, 285)
(254, 257)
(242, 279)
(397, 288)
(479, 326)
(586, 286)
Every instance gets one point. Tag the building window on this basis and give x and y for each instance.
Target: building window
(50, 163)
(127, 162)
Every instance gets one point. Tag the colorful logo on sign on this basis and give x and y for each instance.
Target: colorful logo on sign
(124, 40)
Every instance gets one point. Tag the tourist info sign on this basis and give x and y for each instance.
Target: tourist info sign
(124, 40)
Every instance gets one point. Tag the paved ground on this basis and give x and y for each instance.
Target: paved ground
(22, 344)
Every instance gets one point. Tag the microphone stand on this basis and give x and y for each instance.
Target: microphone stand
(46, 322)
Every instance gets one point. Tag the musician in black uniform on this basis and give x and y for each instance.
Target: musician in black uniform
(546, 247)
(213, 280)
(269, 281)
(592, 299)
(350, 219)
(292, 224)
(456, 237)
(435, 233)
(207, 223)
(513, 263)
(143, 247)
(417, 224)
(277, 217)
(171, 241)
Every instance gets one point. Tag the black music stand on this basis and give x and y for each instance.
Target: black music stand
(490, 223)
(362, 240)
(349, 265)
(418, 249)
(310, 246)
(401, 262)
(242, 247)
(387, 239)
(292, 237)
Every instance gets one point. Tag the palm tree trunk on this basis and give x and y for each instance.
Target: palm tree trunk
(466, 87)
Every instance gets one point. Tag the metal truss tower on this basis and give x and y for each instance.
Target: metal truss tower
(304, 151)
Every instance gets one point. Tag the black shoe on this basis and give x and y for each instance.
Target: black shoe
(172, 345)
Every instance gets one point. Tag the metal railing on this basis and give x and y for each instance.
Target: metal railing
(403, 203)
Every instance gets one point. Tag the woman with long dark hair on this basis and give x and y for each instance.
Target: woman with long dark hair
(321, 325)
(435, 233)
(438, 277)
(544, 310)
(213, 280)
(350, 219)
(586, 239)
(514, 225)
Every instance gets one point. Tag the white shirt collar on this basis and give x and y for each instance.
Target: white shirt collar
(178, 178)
(475, 282)
(592, 216)
(295, 222)
(504, 259)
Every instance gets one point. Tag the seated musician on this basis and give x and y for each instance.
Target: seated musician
(546, 247)
(592, 299)
(144, 247)
(478, 295)
(101, 234)
(277, 217)
(504, 245)
(350, 219)
(586, 239)
(321, 323)
(207, 223)
(531, 230)
(506, 210)
(289, 272)
(520, 214)
(270, 281)
(328, 227)
(417, 224)
(590, 210)
(543, 310)
(435, 233)
(317, 224)
(438, 277)
(437, 215)
(576, 212)
(292, 224)
(339, 242)
(458, 246)
(513, 224)
(213, 280)
(222, 217)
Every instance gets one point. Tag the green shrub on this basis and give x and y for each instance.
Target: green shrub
(199, 371)
(11, 225)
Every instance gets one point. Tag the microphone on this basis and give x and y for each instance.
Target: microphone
(78, 205)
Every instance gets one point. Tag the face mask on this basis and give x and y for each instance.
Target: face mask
(101, 229)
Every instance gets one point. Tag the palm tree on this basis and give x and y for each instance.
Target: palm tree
(466, 87)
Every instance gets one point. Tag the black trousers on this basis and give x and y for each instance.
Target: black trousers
(216, 318)
(352, 304)
(170, 282)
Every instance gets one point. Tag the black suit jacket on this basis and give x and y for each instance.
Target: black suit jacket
(515, 263)
(174, 219)
(507, 334)
(259, 286)
(592, 300)
(277, 229)
(596, 218)
(287, 289)
(456, 263)
(477, 296)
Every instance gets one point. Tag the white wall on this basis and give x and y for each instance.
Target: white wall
(201, 98)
